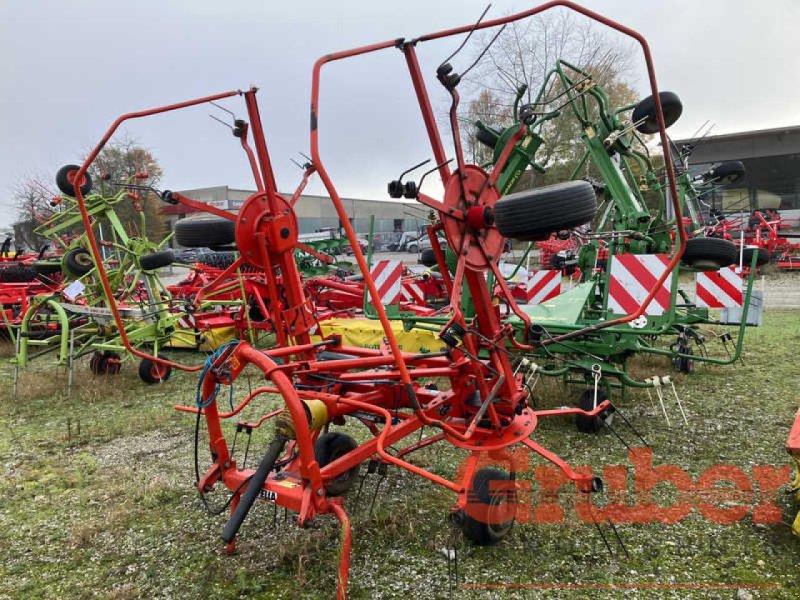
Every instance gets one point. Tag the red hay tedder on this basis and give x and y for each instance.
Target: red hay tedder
(307, 466)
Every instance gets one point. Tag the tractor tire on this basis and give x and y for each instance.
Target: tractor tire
(78, 262)
(489, 502)
(726, 173)
(329, 447)
(594, 424)
(709, 254)
(156, 260)
(17, 274)
(747, 256)
(646, 109)
(202, 233)
(152, 372)
(46, 267)
(65, 180)
(534, 214)
(427, 258)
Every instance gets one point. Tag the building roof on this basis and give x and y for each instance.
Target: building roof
(739, 135)
(180, 209)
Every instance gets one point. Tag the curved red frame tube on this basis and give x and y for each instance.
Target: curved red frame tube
(309, 467)
(427, 112)
(87, 224)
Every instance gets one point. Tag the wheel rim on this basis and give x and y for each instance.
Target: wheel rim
(83, 259)
(71, 178)
(158, 371)
(501, 512)
(706, 265)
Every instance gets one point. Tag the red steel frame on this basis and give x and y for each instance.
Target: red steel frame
(383, 382)
(455, 214)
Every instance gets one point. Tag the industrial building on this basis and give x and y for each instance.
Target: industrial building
(772, 161)
(315, 212)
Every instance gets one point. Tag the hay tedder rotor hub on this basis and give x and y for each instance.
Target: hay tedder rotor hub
(258, 225)
(469, 195)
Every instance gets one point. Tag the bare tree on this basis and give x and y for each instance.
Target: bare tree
(487, 108)
(117, 164)
(526, 54)
(125, 161)
(35, 204)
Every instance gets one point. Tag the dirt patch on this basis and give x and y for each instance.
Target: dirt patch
(157, 444)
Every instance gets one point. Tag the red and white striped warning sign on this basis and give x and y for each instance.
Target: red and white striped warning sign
(540, 285)
(186, 321)
(413, 292)
(387, 275)
(719, 289)
(632, 277)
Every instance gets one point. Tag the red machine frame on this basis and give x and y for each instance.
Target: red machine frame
(385, 383)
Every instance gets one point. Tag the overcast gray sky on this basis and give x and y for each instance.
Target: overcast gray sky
(68, 69)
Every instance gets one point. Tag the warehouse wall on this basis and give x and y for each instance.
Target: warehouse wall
(317, 212)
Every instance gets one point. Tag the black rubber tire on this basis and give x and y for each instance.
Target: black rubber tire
(153, 372)
(726, 173)
(78, 262)
(113, 362)
(485, 498)
(95, 363)
(671, 105)
(105, 363)
(535, 214)
(486, 138)
(586, 424)
(559, 263)
(201, 233)
(46, 267)
(427, 257)
(65, 183)
(218, 260)
(254, 312)
(156, 260)
(709, 254)
(747, 256)
(17, 274)
(684, 364)
(329, 447)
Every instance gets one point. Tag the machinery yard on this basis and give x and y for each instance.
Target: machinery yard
(554, 356)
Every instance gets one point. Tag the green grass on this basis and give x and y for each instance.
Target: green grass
(109, 511)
